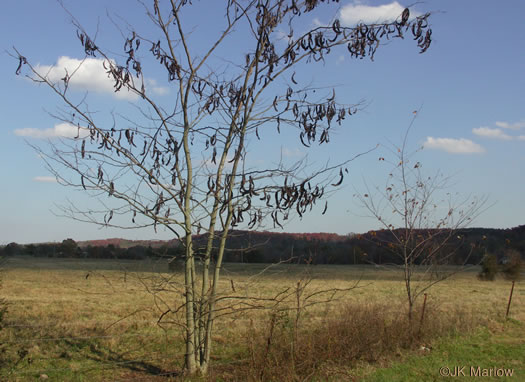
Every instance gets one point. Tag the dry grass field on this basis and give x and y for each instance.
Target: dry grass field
(80, 320)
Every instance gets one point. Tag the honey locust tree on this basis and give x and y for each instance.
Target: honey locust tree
(420, 220)
(185, 165)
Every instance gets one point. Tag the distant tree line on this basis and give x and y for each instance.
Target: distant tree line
(471, 245)
(70, 249)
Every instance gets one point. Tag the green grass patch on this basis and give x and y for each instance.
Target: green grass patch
(467, 358)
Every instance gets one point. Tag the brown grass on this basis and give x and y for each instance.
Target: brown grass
(104, 327)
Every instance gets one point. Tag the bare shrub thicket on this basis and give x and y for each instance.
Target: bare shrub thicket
(333, 345)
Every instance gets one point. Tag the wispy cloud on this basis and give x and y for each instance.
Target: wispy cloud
(452, 145)
(521, 137)
(356, 12)
(291, 153)
(61, 130)
(512, 126)
(89, 75)
(317, 23)
(499, 131)
(488, 132)
(45, 179)
(152, 85)
(282, 37)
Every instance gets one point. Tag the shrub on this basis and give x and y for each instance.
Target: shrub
(513, 265)
(489, 268)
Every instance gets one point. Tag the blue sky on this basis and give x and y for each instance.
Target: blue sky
(469, 88)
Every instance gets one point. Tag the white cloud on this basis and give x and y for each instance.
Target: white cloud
(160, 90)
(151, 85)
(282, 36)
(512, 126)
(45, 179)
(356, 12)
(317, 23)
(89, 75)
(521, 137)
(488, 132)
(61, 130)
(455, 146)
(291, 153)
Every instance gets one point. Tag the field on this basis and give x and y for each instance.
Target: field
(80, 320)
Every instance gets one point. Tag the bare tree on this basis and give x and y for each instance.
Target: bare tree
(421, 220)
(184, 166)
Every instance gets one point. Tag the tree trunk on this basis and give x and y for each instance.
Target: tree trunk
(190, 364)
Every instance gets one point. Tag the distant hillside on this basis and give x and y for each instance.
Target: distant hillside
(124, 243)
(330, 248)
(469, 245)
(234, 235)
